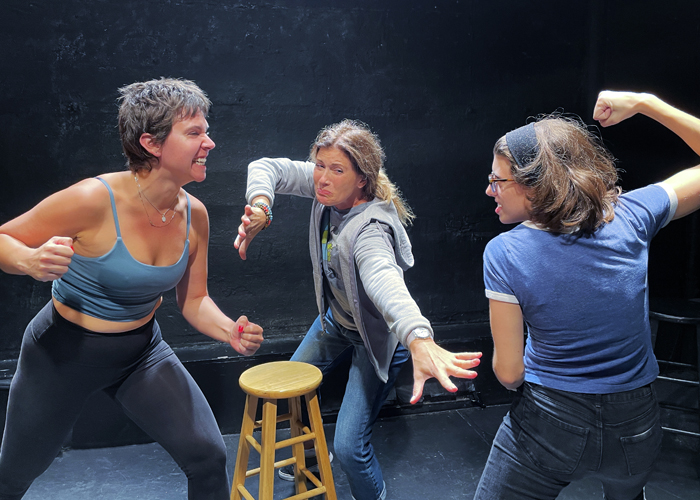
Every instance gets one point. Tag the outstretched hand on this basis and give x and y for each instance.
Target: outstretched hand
(613, 107)
(253, 221)
(246, 337)
(430, 360)
(51, 260)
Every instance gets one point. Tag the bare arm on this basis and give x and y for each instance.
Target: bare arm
(193, 297)
(47, 262)
(614, 107)
(508, 343)
(39, 243)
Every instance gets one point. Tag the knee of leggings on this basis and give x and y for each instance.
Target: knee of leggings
(10, 491)
(207, 462)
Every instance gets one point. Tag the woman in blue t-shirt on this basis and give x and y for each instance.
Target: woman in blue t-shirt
(575, 272)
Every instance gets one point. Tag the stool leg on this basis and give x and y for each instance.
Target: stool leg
(251, 406)
(267, 445)
(324, 464)
(295, 425)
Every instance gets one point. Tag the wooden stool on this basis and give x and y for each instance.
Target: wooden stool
(685, 312)
(272, 381)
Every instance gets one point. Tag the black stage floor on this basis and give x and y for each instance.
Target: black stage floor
(426, 456)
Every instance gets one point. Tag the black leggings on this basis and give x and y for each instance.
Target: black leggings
(61, 365)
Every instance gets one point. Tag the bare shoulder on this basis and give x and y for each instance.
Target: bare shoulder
(87, 200)
(89, 193)
(68, 212)
(199, 211)
(199, 219)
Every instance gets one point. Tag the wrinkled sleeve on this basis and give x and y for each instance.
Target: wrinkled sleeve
(382, 279)
(268, 176)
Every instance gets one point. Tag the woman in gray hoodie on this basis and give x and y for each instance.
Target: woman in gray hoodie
(359, 249)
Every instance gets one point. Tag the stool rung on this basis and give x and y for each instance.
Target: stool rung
(280, 418)
(281, 463)
(244, 492)
(308, 436)
(295, 440)
(681, 431)
(312, 477)
(679, 380)
(304, 428)
(308, 494)
(318, 490)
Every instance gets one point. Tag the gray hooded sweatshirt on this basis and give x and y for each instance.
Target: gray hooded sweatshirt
(371, 266)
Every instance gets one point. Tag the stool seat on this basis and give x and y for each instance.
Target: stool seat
(280, 379)
(290, 381)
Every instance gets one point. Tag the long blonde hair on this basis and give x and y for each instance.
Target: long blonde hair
(365, 152)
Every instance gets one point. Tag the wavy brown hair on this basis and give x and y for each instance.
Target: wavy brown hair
(153, 107)
(572, 179)
(365, 152)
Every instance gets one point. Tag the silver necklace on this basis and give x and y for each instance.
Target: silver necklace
(142, 195)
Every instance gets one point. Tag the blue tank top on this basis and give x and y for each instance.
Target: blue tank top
(115, 286)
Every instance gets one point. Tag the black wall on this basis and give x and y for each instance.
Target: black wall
(438, 81)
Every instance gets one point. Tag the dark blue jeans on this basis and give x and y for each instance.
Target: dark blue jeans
(550, 438)
(61, 364)
(364, 396)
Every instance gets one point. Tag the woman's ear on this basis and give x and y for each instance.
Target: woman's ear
(363, 182)
(149, 143)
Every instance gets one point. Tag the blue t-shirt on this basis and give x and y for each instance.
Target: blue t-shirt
(584, 299)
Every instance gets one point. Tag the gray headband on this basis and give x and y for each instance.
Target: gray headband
(522, 144)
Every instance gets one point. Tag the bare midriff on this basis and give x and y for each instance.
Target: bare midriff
(101, 325)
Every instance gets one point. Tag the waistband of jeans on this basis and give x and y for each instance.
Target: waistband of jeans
(611, 397)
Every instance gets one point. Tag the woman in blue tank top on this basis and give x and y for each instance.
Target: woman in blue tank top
(575, 272)
(111, 246)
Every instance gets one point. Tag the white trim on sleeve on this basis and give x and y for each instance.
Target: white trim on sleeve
(673, 198)
(502, 297)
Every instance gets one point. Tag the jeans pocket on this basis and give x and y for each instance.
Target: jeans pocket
(641, 450)
(551, 444)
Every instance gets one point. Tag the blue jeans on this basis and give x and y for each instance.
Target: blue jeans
(550, 438)
(364, 395)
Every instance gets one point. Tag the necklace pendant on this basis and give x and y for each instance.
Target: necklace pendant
(162, 217)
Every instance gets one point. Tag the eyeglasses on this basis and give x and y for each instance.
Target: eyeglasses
(493, 180)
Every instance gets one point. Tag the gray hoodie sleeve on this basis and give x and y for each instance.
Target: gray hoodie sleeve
(382, 279)
(268, 176)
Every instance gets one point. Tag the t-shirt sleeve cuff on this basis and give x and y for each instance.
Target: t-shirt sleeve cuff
(502, 297)
(673, 199)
